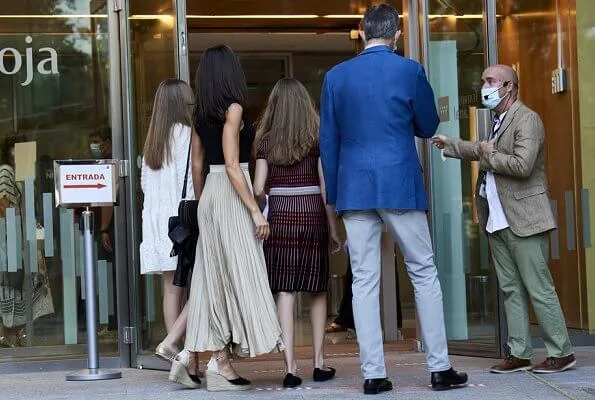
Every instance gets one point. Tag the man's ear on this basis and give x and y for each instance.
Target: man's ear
(509, 86)
(362, 35)
(397, 35)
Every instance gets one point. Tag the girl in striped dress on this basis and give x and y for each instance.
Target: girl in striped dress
(297, 251)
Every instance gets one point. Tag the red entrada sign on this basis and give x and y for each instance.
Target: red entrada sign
(95, 186)
(85, 178)
(86, 182)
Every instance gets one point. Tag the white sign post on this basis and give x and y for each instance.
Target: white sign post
(88, 183)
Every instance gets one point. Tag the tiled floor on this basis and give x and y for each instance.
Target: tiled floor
(407, 370)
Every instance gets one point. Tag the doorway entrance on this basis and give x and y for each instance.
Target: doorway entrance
(304, 40)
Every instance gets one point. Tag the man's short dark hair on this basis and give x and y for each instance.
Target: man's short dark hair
(381, 21)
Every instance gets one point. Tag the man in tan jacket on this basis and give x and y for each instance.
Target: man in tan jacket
(514, 210)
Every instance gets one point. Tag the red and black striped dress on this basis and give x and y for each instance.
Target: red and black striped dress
(296, 252)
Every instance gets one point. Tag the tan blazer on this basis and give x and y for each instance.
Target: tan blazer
(518, 164)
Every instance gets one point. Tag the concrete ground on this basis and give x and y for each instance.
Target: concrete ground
(406, 370)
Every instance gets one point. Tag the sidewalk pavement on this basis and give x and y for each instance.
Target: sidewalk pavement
(406, 370)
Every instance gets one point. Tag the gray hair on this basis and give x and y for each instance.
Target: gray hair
(381, 21)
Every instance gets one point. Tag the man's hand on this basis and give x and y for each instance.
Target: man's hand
(487, 147)
(440, 141)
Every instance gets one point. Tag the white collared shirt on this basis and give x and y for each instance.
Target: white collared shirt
(374, 45)
(497, 219)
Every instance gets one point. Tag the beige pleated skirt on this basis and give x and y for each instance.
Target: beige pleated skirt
(230, 302)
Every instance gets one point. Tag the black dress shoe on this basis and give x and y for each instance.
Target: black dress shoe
(322, 375)
(444, 380)
(375, 386)
(291, 381)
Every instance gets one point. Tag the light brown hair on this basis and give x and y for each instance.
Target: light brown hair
(289, 122)
(172, 105)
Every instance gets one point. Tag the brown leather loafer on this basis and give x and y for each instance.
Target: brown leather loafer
(511, 364)
(555, 364)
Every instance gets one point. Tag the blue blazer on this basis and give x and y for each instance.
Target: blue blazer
(371, 109)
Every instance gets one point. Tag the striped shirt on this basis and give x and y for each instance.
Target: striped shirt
(8, 186)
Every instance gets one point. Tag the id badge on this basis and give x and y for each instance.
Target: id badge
(482, 191)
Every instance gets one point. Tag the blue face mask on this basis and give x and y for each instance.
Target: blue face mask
(490, 97)
(95, 150)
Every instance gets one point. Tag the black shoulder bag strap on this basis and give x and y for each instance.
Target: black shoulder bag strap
(187, 167)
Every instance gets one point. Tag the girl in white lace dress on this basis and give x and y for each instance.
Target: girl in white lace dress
(165, 158)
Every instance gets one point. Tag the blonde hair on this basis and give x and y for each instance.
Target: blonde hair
(289, 122)
(172, 105)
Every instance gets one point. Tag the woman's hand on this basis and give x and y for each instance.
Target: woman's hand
(335, 242)
(261, 225)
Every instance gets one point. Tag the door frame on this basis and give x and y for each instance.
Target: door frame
(126, 230)
(121, 214)
(131, 332)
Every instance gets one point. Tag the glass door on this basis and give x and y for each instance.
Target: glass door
(275, 41)
(300, 40)
(455, 53)
(150, 43)
(57, 101)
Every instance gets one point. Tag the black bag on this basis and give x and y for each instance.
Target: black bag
(183, 232)
(187, 208)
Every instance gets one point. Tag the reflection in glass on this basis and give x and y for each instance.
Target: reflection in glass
(153, 60)
(54, 93)
(456, 61)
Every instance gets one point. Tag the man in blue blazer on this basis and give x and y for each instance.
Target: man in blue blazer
(372, 108)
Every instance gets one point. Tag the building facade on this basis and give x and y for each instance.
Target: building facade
(77, 79)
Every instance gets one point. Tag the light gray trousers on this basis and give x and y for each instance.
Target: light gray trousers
(410, 231)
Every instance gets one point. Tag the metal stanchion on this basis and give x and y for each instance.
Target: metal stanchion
(92, 372)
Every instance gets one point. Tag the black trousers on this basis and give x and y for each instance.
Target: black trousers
(345, 317)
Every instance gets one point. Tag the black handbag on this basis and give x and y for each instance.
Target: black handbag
(187, 208)
(183, 232)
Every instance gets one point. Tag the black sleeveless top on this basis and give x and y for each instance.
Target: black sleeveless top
(211, 137)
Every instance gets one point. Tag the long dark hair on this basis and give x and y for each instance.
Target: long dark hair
(220, 82)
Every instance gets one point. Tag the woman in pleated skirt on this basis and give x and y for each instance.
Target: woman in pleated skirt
(231, 307)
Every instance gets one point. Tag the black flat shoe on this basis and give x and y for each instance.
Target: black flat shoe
(239, 381)
(444, 380)
(321, 375)
(291, 381)
(379, 385)
(218, 383)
